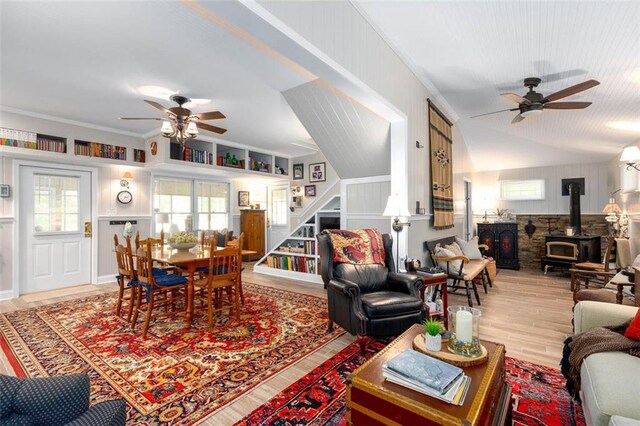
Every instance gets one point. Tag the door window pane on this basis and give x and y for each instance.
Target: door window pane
(279, 207)
(55, 203)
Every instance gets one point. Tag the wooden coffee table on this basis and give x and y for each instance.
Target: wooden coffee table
(373, 401)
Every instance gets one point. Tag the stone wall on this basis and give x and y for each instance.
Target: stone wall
(531, 250)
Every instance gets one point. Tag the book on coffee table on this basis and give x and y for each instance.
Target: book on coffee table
(427, 375)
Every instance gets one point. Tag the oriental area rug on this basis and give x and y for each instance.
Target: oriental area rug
(174, 376)
(319, 397)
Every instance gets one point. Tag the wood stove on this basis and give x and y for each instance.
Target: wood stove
(565, 250)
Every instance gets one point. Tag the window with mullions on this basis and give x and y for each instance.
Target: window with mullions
(187, 205)
(213, 200)
(55, 203)
(521, 190)
(279, 206)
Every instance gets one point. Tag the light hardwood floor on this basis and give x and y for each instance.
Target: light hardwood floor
(527, 311)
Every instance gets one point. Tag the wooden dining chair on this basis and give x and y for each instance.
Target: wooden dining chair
(237, 243)
(223, 273)
(126, 277)
(155, 243)
(159, 290)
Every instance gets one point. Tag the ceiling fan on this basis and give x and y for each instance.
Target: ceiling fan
(532, 103)
(180, 123)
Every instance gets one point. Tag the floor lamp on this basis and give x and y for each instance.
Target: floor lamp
(396, 209)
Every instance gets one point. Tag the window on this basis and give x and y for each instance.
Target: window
(212, 201)
(55, 203)
(519, 190)
(279, 207)
(186, 205)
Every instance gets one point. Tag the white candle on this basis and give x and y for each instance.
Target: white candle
(464, 326)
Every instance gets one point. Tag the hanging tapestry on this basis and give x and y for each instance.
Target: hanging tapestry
(440, 151)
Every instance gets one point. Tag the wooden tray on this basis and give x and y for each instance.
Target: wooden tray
(445, 355)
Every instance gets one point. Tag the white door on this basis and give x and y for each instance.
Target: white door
(55, 205)
(278, 215)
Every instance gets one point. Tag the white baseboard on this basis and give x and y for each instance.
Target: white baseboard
(106, 279)
(6, 294)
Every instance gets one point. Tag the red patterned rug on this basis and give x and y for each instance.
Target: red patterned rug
(319, 397)
(174, 376)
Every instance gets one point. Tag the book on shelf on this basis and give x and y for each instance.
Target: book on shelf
(427, 375)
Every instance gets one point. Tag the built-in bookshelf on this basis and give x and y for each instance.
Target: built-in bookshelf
(194, 152)
(297, 255)
(139, 155)
(209, 155)
(229, 156)
(259, 162)
(31, 140)
(100, 150)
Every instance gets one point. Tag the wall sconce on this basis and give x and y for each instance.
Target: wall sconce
(396, 209)
(631, 157)
(612, 209)
(126, 178)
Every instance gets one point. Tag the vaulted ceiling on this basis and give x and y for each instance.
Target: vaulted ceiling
(84, 61)
(474, 51)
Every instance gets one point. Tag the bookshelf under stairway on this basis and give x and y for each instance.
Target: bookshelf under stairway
(297, 255)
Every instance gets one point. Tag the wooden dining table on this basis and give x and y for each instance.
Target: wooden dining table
(189, 260)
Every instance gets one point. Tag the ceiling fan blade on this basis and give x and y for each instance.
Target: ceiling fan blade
(566, 105)
(138, 118)
(513, 98)
(571, 90)
(211, 115)
(210, 128)
(518, 118)
(495, 112)
(160, 107)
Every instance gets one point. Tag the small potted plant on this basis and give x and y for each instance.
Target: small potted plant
(432, 338)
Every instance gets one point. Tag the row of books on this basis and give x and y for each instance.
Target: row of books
(139, 155)
(95, 149)
(178, 152)
(31, 140)
(430, 376)
(292, 263)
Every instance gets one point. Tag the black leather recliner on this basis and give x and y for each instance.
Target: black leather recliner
(370, 300)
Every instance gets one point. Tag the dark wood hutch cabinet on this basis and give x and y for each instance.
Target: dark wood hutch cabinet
(252, 223)
(502, 240)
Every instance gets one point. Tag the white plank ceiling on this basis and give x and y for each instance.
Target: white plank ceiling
(473, 51)
(352, 138)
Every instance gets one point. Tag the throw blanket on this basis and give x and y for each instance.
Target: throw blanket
(360, 247)
(579, 346)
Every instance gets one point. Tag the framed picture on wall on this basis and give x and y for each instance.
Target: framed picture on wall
(317, 172)
(309, 190)
(298, 171)
(243, 198)
(296, 202)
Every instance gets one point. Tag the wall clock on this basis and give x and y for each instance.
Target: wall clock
(124, 197)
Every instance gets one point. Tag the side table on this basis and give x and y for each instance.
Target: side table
(441, 281)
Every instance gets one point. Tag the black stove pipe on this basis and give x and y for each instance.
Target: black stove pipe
(574, 208)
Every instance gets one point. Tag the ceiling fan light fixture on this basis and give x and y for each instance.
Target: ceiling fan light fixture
(530, 112)
(630, 154)
(192, 129)
(166, 129)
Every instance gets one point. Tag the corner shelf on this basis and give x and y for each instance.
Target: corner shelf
(303, 266)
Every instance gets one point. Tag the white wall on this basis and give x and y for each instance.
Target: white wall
(108, 184)
(598, 184)
(342, 33)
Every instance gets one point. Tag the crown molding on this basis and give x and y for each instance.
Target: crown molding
(409, 63)
(68, 121)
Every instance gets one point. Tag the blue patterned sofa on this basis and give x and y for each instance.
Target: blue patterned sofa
(54, 401)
